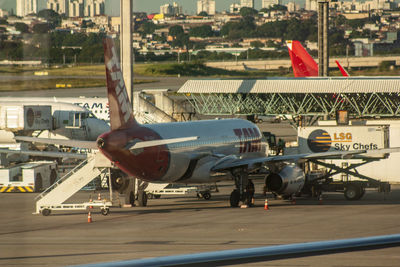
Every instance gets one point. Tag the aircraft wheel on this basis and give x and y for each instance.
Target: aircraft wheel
(206, 195)
(352, 192)
(235, 198)
(105, 211)
(142, 198)
(46, 212)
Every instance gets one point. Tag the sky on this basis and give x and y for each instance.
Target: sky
(149, 6)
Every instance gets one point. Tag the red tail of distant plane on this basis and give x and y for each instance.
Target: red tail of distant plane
(302, 63)
(342, 70)
(121, 115)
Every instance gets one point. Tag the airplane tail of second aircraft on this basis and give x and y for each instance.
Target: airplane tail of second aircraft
(303, 64)
(121, 115)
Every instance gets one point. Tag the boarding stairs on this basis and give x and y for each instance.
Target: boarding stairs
(54, 196)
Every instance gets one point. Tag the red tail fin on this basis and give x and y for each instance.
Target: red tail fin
(302, 63)
(121, 115)
(342, 70)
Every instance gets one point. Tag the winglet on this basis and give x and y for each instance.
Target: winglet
(342, 70)
(121, 115)
(302, 63)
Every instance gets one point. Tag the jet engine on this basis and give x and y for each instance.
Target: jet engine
(119, 180)
(290, 180)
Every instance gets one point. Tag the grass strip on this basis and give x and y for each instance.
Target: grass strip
(32, 85)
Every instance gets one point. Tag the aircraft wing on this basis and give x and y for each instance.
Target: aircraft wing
(68, 143)
(260, 254)
(253, 163)
(44, 153)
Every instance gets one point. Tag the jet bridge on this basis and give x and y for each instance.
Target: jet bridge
(310, 98)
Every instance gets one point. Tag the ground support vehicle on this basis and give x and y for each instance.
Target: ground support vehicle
(103, 205)
(28, 177)
(322, 181)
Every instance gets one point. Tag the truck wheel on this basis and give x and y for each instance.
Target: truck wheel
(105, 211)
(142, 198)
(206, 195)
(235, 198)
(352, 192)
(46, 212)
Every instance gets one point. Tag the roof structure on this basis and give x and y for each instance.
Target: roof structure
(322, 96)
(294, 85)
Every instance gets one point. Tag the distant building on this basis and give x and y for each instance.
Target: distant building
(94, 8)
(207, 6)
(75, 8)
(59, 6)
(234, 8)
(292, 7)
(247, 3)
(270, 3)
(311, 5)
(26, 7)
(169, 9)
(3, 13)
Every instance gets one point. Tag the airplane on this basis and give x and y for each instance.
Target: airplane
(203, 151)
(303, 64)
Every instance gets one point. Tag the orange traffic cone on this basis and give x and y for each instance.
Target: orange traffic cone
(99, 196)
(90, 200)
(293, 200)
(89, 217)
(266, 204)
(320, 199)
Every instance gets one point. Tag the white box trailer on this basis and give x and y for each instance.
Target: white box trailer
(25, 117)
(28, 177)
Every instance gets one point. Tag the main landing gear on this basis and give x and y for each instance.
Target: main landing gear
(240, 193)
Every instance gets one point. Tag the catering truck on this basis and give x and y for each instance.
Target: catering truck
(350, 176)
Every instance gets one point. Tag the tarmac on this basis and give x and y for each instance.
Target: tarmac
(184, 224)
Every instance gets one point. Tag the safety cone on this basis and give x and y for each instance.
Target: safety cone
(90, 200)
(320, 199)
(293, 200)
(266, 204)
(99, 196)
(89, 217)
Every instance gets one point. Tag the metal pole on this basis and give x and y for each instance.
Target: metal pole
(326, 41)
(126, 45)
(320, 39)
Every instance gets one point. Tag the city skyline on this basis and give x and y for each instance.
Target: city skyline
(112, 6)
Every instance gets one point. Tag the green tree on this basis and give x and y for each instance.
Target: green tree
(148, 27)
(41, 28)
(203, 14)
(51, 16)
(248, 11)
(21, 27)
(175, 30)
(201, 31)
